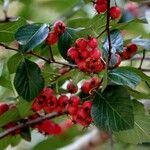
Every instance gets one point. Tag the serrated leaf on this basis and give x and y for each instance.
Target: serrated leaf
(13, 63)
(65, 41)
(141, 131)
(28, 80)
(116, 42)
(31, 35)
(113, 110)
(122, 76)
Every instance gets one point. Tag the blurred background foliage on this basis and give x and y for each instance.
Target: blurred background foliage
(76, 14)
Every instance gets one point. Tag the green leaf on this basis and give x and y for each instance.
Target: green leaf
(24, 108)
(13, 63)
(122, 76)
(7, 30)
(143, 76)
(4, 82)
(141, 132)
(113, 110)
(28, 80)
(116, 41)
(9, 116)
(65, 41)
(30, 36)
(26, 134)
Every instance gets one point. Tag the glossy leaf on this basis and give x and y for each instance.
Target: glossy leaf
(31, 35)
(28, 80)
(65, 41)
(116, 42)
(122, 76)
(112, 110)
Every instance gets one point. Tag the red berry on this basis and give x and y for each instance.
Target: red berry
(95, 54)
(95, 82)
(50, 104)
(59, 27)
(3, 108)
(81, 64)
(63, 101)
(81, 43)
(132, 48)
(93, 43)
(72, 53)
(86, 87)
(74, 100)
(115, 12)
(84, 54)
(125, 54)
(87, 105)
(101, 8)
(72, 110)
(52, 38)
(72, 88)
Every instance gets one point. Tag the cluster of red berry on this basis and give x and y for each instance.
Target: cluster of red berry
(89, 85)
(58, 28)
(46, 127)
(86, 55)
(101, 7)
(48, 102)
(129, 51)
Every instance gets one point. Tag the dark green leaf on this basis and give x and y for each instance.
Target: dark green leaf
(116, 41)
(65, 41)
(122, 76)
(141, 132)
(30, 36)
(28, 80)
(113, 110)
(26, 134)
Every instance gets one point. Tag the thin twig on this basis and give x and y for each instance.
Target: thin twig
(51, 54)
(108, 30)
(40, 57)
(101, 33)
(142, 60)
(29, 123)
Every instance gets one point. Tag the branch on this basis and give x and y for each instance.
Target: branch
(40, 57)
(88, 141)
(108, 30)
(29, 123)
(142, 59)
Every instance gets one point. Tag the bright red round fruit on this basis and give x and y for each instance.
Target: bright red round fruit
(52, 38)
(115, 12)
(59, 27)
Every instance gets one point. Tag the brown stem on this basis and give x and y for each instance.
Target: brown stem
(40, 57)
(108, 30)
(28, 123)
